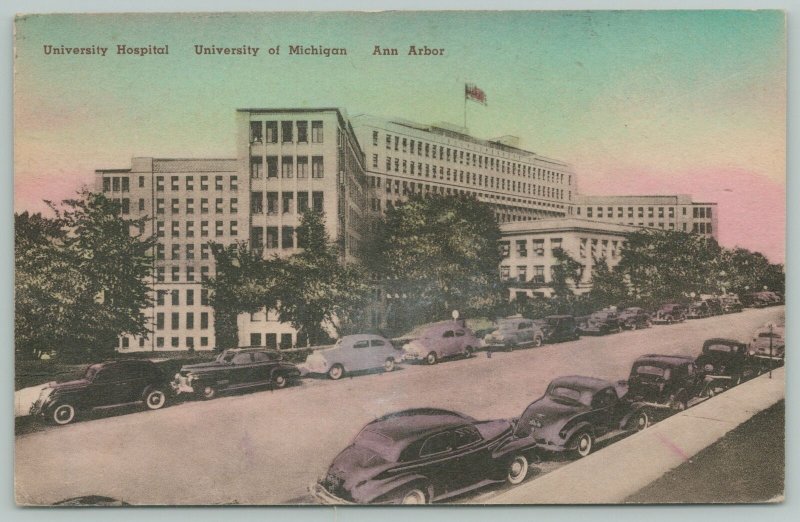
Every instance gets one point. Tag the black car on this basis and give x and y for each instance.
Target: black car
(670, 381)
(558, 328)
(601, 323)
(576, 412)
(104, 385)
(235, 369)
(724, 363)
(670, 313)
(731, 305)
(423, 455)
(633, 318)
(698, 310)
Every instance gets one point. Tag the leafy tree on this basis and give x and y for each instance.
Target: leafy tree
(82, 278)
(435, 254)
(566, 273)
(608, 286)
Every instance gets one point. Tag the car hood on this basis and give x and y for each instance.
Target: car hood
(70, 385)
(493, 429)
(202, 366)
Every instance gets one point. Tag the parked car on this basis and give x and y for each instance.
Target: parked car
(576, 412)
(558, 328)
(633, 318)
(670, 313)
(714, 305)
(698, 310)
(670, 381)
(424, 455)
(104, 385)
(723, 363)
(731, 304)
(514, 332)
(601, 323)
(441, 340)
(765, 356)
(353, 353)
(235, 369)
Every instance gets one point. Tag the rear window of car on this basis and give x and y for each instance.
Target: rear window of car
(377, 342)
(723, 348)
(582, 396)
(361, 344)
(652, 370)
(377, 443)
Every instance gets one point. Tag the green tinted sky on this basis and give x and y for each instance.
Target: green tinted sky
(626, 97)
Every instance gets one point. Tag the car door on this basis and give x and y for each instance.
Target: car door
(447, 342)
(361, 356)
(108, 387)
(460, 341)
(525, 332)
(380, 350)
(440, 462)
(603, 405)
(262, 367)
(242, 370)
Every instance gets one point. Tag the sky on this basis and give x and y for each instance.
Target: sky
(638, 102)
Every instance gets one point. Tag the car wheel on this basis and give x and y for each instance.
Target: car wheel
(737, 380)
(415, 496)
(63, 414)
(641, 421)
(336, 372)
(517, 470)
(537, 342)
(510, 347)
(710, 391)
(388, 365)
(669, 319)
(431, 358)
(676, 403)
(468, 352)
(155, 399)
(583, 444)
(279, 381)
(208, 392)
(634, 326)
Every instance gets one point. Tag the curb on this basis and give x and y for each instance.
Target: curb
(614, 473)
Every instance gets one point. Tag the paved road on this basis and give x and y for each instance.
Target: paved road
(267, 447)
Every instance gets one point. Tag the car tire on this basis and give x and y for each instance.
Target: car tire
(431, 359)
(155, 399)
(517, 470)
(279, 381)
(676, 404)
(468, 352)
(388, 364)
(62, 414)
(207, 392)
(641, 421)
(336, 372)
(634, 326)
(584, 444)
(537, 342)
(414, 496)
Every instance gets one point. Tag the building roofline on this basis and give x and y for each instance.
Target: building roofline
(566, 225)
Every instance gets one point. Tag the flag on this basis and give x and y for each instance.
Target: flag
(472, 92)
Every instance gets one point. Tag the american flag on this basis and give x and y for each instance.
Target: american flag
(472, 92)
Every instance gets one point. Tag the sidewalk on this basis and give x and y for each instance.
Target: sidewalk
(618, 472)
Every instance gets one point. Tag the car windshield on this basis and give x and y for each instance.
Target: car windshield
(652, 371)
(567, 394)
(225, 357)
(91, 371)
(507, 324)
(377, 443)
(722, 348)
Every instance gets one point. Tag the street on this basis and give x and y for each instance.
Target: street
(268, 447)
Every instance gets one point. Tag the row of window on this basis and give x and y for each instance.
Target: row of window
(537, 247)
(286, 200)
(289, 167)
(701, 228)
(175, 320)
(188, 251)
(599, 248)
(174, 342)
(175, 183)
(189, 205)
(175, 273)
(189, 228)
(537, 276)
(440, 152)
(175, 297)
(471, 178)
(270, 340)
(286, 238)
(267, 131)
(698, 212)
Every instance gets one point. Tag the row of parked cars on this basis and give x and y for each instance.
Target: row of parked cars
(423, 455)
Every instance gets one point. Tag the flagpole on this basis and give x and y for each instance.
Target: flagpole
(465, 107)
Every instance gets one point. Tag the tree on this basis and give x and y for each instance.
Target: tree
(82, 278)
(608, 285)
(435, 254)
(566, 270)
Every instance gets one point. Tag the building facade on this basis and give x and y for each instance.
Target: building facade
(528, 257)
(405, 158)
(677, 212)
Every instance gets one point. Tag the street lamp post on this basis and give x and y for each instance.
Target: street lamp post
(770, 350)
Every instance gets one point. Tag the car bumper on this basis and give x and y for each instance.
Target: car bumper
(323, 496)
(179, 387)
(768, 358)
(413, 356)
(312, 368)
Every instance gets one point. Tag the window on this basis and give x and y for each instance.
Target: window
(176, 251)
(272, 166)
(189, 320)
(272, 237)
(204, 319)
(234, 228)
(522, 273)
(318, 201)
(160, 183)
(115, 184)
(234, 205)
(175, 341)
(504, 248)
(204, 341)
(175, 320)
(302, 167)
(204, 229)
(375, 138)
(126, 184)
(159, 251)
(555, 243)
(204, 206)
(218, 228)
(190, 297)
(190, 273)
(272, 203)
(286, 341)
(190, 229)
(708, 212)
(160, 321)
(203, 182)
(218, 182)
(538, 247)
(302, 202)
(175, 232)
(302, 132)
(189, 182)
(505, 273)
(176, 275)
(175, 183)
(256, 202)
(286, 132)
(203, 298)
(126, 205)
(522, 248)
(255, 339)
(272, 131)
(439, 443)
(160, 274)
(256, 131)
(256, 167)
(175, 297)
(160, 297)
(190, 206)
(316, 131)
(374, 161)
(317, 168)
(287, 167)
(538, 274)
(234, 183)
(218, 206)
(287, 237)
(204, 273)
(286, 206)
(106, 184)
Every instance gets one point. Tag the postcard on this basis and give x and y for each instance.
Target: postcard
(399, 258)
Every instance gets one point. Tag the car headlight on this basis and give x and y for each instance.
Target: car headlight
(752, 352)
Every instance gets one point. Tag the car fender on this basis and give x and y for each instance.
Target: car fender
(577, 428)
(150, 387)
(633, 409)
(395, 486)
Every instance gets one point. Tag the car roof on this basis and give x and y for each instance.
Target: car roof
(558, 316)
(416, 423)
(582, 381)
(663, 360)
(362, 337)
(723, 340)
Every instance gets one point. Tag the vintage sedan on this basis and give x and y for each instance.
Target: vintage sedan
(423, 455)
(768, 347)
(558, 328)
(601, 323)
(441, 340)
(103, 385)
(723, 363)
(731, 304)
(633, 318)
(669, 381)
(514, 332)
(669, 314)
(698, 310)
(235, 369)
(353, 353)
(576, 412)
